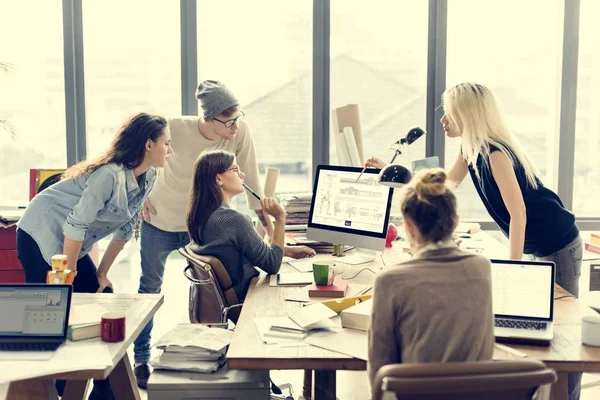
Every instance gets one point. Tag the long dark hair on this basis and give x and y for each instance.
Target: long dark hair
(128, 148)
(206, 196)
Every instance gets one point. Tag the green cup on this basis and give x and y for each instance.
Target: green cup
(323, 273)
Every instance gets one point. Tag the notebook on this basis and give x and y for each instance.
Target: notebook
(34, 316)
(523, 301)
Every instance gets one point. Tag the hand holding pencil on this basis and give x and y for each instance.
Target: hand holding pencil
(372, 162)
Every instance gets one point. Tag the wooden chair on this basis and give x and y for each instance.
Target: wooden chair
(490, 380)
(211, 298)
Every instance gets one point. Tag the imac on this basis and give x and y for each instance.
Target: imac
(350, 211)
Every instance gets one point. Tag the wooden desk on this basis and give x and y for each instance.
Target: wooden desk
(138, 308)
(247, 351)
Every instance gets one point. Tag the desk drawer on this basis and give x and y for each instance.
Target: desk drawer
(9, 260)
(12, 276)
(8, 238)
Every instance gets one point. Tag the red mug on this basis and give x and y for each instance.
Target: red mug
(113, 327)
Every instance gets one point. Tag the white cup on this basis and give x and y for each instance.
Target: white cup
(590, 330)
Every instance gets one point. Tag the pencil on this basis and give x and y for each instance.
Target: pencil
(251, 191)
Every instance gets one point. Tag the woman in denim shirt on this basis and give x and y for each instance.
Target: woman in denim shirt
(93, 200)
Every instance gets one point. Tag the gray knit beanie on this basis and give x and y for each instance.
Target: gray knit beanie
(214, 98)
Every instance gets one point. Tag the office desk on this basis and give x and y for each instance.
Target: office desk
(138, 308)
(247, 351)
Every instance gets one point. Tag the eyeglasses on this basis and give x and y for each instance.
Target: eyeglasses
(234, 168)
(231, 122)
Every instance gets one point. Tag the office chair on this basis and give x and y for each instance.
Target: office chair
(211, 296)
(213, 300)
(492, 380)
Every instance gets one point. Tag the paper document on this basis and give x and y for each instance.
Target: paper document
(350, 342)
(308, 317)
(196, 335)
(191, 366)
(263, 325)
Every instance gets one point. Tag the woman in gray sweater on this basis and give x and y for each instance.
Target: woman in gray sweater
(219, 231)
(436, 307)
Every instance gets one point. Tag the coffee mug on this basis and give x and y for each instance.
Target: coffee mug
(113, 327)
(323, 273)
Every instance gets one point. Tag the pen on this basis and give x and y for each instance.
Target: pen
(362, 172)
(251, 191)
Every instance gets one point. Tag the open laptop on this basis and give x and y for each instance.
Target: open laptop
(523, 301)
(34, 317)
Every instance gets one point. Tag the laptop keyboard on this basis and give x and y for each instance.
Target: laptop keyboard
(519, 324)
(29, 346)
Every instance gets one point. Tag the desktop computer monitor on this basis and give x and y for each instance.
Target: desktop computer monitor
(349, 210)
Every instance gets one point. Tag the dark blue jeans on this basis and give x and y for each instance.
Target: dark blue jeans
(156, 245)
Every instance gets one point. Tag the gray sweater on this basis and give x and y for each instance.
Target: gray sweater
(436, 307)
(230, 236)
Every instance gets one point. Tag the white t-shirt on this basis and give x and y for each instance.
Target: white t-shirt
(171, 192)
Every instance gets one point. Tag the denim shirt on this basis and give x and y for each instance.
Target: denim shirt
(87, 209)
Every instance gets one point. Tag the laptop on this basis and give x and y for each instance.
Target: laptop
(34, 317)
(523, 301)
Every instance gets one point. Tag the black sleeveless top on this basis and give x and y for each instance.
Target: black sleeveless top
(550, 226)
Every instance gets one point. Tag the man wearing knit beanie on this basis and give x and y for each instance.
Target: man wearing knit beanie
(164, 228)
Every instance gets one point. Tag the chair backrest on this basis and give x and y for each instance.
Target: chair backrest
(211, 288)
(469, 380)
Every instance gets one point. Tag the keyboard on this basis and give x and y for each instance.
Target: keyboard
(520, 324)
(29, 346)
(302, 264)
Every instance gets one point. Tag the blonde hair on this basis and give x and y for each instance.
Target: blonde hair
(476, 112)
(429, 203)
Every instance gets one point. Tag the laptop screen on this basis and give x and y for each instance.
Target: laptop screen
(523, 289)
(34, 310)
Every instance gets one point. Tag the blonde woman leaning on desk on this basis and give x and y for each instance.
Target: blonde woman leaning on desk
(436, 307)
(529, 214)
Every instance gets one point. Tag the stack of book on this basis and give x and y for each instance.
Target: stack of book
(193, 348)
(297, 208)
(593, 244)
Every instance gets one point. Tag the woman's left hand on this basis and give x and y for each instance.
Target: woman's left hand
(299, 251)
(104, 282)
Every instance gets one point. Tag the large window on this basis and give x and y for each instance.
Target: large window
(132, 64)
(32, 96)
(379, 62)
(586, 184)
(486, 44)
(262, 50)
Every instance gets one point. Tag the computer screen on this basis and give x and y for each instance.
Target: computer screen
(523, 289)
(348, 208)
(34, 310)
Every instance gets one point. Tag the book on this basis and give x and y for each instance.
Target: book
(337, 289)
(468, 227)
(83, 331)
(84, 321)
(594, 248)
(358, 316)
(195, 337)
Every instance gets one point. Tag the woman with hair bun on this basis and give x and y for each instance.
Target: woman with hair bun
(436, 307)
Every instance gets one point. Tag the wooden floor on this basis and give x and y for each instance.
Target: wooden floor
(350, 384)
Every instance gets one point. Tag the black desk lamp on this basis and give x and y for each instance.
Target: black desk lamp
(396, 175)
